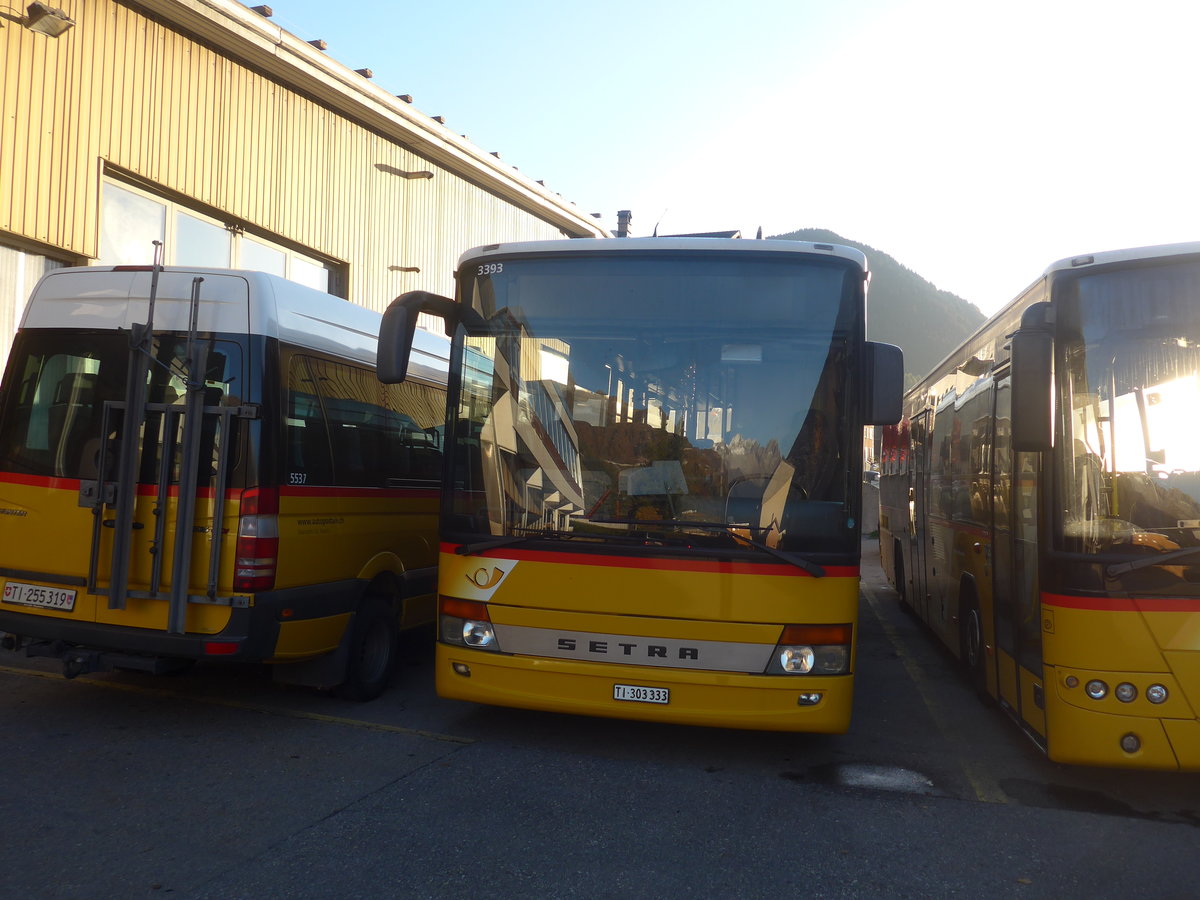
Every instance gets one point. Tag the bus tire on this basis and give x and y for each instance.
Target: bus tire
(374, 651)
(901, 584)
(971, 647)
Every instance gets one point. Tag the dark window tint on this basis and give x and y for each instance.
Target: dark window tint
(346, 428)
(62, 392)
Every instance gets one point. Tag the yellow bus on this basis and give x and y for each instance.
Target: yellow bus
(651, 501)
(1040, 508)
(201, 464)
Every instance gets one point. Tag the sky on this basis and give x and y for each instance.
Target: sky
(974, 142)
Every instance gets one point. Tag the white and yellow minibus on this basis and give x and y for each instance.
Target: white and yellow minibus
(200, 464)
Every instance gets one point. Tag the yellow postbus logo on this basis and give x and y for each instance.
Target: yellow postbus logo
(484, 579)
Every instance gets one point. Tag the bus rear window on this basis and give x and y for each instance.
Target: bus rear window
(52, 417)
(55, 389)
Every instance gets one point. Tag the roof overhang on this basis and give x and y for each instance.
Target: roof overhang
(250, 37)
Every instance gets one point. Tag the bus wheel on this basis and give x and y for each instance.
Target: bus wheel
(374, 651)
(971, 647)
(901, 584)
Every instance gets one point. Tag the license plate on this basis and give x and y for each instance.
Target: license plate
(38, 595)
(638, 694)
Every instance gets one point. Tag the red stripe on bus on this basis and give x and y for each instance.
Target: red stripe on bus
(151, 490)
(1124, 604)
(55, 483)
(659, 564)
(41, 481)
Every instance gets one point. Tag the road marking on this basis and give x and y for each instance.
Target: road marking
(250, 707)
(985, 788)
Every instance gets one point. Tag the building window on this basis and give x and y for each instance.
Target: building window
(262, 257)
(19, 272)
(199, 242)
(129, 224)
(132, 219)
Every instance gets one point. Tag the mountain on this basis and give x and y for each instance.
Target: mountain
(906, 310)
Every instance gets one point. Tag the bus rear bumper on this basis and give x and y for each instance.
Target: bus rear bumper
(98, 647)
(251, 635)
(715, 699)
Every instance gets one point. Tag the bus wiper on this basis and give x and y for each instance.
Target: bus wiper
(812, 568)
(507, 540)
(1112, 570)
(490, 544)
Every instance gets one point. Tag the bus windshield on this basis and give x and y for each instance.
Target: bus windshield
(1129, 453)
(686, 401)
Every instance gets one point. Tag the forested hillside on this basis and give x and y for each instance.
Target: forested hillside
(905, 309)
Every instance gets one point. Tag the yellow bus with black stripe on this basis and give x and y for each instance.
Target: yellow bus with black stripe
(201, 464)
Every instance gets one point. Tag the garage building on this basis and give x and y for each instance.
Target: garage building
(202, 125)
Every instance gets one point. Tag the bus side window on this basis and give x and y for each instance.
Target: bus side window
(415, 412)
(350, 397)
(346, 428)
(309, 459)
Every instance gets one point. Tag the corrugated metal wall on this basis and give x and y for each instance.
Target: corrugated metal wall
(125, 91)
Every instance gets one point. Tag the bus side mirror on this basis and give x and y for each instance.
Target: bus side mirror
(399, 326)
(1032, 360)
(884, 383)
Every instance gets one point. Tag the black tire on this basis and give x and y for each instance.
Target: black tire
(971, 649)
(374, 651)
(901, 582)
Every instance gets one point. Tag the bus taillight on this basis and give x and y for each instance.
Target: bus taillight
(257, 541)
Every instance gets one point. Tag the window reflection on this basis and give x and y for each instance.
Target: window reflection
(1130, 451)
(636, 422)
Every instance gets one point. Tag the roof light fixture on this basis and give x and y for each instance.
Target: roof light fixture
(47, 20)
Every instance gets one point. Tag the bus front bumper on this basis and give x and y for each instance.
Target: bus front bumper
(715, 699)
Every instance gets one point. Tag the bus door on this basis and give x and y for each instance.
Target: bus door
(159, 527)
(919, 506)
(1014, 569)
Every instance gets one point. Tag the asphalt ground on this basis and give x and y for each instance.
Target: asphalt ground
(217, 783)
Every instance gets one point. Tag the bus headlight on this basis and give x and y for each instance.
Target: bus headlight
(477, 634)
(796, 660)
(466, 623)
(1096, 689)
(1156, 693)
(812, 650)
(1125, 692)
